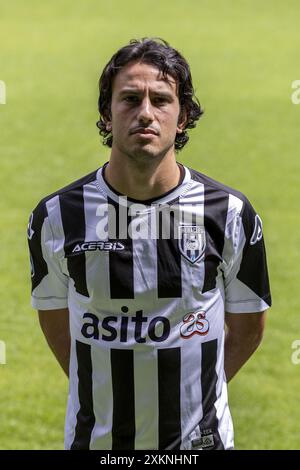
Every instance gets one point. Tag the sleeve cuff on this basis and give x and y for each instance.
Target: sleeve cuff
(250, 306)
(49, 303)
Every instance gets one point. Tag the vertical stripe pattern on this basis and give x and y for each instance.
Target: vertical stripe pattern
(85, 415)
(169, 373)
(168, 261)
(121, 262)
(122, 374)
(214, 222)
(38, 264)
(209, 397)
(72, 209)
(145, 375)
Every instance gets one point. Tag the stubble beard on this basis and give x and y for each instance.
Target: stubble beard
(145, 155)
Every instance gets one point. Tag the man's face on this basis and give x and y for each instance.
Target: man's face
(144, 112)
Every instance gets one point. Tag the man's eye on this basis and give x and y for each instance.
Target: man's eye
(131, 99)
(159, 101)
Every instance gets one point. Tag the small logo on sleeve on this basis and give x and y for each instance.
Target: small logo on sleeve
(30, 232)
(257, 232)
(31, 267)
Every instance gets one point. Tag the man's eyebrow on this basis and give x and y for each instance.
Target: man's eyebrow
(130, 90)
(137, 91)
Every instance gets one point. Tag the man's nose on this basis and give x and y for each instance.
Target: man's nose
(145, 114)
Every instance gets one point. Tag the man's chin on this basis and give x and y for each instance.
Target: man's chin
(145, 151)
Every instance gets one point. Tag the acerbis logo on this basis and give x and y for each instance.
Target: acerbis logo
(126, 327)
(194, 323)
(101, 246)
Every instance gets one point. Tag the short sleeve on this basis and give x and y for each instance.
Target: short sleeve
(49, 284)
(246, 280)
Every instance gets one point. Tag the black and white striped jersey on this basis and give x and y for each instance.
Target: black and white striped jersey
(147, 285)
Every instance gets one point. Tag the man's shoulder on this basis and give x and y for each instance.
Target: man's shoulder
(212, 186)
(70, 188)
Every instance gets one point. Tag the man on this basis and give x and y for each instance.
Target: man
(135, 265)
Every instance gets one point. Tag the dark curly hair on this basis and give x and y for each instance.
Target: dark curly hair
(157, 52)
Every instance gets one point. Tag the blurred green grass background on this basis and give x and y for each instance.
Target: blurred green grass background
(244, 56)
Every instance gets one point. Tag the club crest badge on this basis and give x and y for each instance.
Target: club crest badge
(192, 242)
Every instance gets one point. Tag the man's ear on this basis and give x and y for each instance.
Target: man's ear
(182, 120)
(108, 125)
(107, 121)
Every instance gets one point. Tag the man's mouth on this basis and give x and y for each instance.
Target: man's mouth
(144, 130)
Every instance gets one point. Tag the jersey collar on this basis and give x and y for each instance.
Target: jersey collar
(171, 195)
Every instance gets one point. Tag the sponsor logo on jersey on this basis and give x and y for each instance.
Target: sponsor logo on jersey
(126, 328)
(257, 232)
(101, 246)
(192, 242)
(194, 323)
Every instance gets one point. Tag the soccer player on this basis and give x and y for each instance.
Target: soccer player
(150, 278)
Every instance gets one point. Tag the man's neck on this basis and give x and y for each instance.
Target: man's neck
(145, 180)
